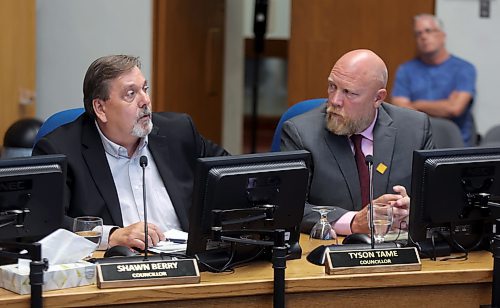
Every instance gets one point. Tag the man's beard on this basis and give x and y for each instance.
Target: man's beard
(142, 127)
(343, 125)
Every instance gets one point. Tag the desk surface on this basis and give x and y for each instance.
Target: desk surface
(450, 283)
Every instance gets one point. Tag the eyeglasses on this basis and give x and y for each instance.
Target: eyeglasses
(426, 31)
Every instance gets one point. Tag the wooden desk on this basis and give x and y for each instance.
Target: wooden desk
(438, 284)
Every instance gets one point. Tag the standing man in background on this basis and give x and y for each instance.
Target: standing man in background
(437, 82)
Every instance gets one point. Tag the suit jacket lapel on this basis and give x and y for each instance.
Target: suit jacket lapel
(96, 161)
(384, 140)
(343, 156)
(160, 151)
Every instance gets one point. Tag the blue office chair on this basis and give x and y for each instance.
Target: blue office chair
(295, 110)
(56, 120)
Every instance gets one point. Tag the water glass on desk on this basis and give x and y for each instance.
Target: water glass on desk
(89, 227)
(382, 220)
(323, 230)
(399, 230)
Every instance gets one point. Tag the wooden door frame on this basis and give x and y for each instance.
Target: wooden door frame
(188, 54)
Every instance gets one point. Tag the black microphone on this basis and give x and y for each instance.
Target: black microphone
(143, 162)
(369, 162)
(260, 24)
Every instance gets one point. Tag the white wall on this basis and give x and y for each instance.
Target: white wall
(232, 135)
(73, 33)
(239, 25)
(278, 20)
(478, 41)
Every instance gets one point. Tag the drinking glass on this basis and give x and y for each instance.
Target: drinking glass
(90, 228)
(322, 230)
(399, 229)
(382, 220)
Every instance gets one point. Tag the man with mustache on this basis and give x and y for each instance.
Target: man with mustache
(104, 146)
(355, 106)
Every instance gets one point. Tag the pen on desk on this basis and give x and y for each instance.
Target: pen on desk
(176, 240)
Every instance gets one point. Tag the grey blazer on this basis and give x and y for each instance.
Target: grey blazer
(333, 174)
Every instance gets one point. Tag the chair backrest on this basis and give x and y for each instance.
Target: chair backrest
(476, 136)
(294, 110)
(19, 137)
(492, 137)
(56, 120)
(446, 133)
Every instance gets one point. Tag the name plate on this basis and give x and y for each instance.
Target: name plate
(372, 261)
(147, 273)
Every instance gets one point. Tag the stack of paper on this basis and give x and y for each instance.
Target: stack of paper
(175, 241)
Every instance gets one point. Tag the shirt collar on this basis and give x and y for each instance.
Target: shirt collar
(368, 132)
(117, 150)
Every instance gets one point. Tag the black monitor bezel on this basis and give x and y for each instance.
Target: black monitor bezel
(204, 165)
(51, 217)
(418, 223)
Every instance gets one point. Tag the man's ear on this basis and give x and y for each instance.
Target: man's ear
(379, 98)
(99, 109)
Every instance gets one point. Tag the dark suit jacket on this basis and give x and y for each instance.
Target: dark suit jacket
(334, 175)
(174, 143)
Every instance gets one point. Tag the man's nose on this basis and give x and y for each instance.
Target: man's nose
(336, 99)
(144, 100)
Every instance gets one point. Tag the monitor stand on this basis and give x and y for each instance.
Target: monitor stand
(439, 248)
(37, 266)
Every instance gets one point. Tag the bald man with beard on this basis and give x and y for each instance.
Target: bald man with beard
(355, 106)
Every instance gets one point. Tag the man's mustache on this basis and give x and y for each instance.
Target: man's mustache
(333, 110)
(144, 112)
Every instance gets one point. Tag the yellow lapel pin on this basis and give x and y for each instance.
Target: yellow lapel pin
(381, 168)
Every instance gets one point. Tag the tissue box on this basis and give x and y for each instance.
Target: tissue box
(59, 276)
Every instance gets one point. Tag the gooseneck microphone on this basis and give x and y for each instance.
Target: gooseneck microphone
(369, 162)
(143, 162)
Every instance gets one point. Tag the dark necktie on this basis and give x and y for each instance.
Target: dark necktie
(362, 169)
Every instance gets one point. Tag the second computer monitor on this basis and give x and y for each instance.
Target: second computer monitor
(451, 202)
(251, 192)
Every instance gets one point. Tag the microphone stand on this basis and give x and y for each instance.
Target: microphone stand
(278, 258)
(369, 162)
(279, 266)
(143, 161)
(495, 292)
(279, 249)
